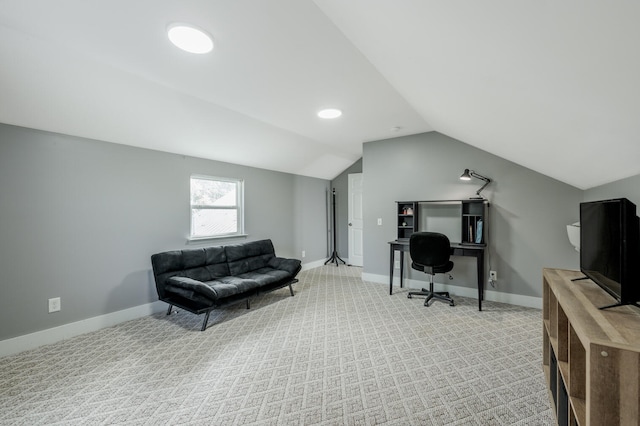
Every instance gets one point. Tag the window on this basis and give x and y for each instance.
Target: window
(216, 207)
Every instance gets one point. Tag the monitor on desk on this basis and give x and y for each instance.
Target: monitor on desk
(444, 217)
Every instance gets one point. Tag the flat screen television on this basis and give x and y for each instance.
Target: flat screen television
(610, 248)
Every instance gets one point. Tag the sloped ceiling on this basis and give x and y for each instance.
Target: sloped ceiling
(553, 86)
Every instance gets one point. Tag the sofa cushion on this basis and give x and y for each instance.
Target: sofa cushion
(292, 266)
(201, 264)
(232, 286)
(249, 256)
(266, 276)
(213, 290)
(195, 286)
(187, 290)
(205, 264)
(167, 262)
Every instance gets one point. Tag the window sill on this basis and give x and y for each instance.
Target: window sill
(196, 240)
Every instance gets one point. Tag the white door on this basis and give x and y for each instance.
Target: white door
(355, 220)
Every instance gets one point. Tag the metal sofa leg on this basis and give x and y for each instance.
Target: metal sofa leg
(291, 289)
(248, 304)
(169, 310)
(206, 319)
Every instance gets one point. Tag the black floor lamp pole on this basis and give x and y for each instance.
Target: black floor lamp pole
(334, 256)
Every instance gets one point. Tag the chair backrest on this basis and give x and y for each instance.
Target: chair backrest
(429, 248)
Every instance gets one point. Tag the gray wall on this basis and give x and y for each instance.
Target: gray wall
(624, 188)
(310, 217)
(341, 184)
(80, 218)
(527, 218)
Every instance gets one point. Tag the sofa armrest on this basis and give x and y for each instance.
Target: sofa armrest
(193, 285)
(291, 266)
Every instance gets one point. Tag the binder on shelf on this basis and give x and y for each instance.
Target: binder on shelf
(479, 232)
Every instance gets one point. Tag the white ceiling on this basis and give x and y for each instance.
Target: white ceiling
(553, 86)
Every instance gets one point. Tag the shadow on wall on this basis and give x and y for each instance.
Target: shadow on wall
(137, 288)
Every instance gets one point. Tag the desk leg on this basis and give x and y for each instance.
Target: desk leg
(392, 256)
(480, 261)
(401, 268)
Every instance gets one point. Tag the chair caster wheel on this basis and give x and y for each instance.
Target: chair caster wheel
(452, 304)
(408, 296)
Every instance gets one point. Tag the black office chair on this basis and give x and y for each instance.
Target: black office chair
(430, 254)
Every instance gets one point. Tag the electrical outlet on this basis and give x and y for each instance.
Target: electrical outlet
(54, 304)
(379, 221)
(304, 253)
(493, 275)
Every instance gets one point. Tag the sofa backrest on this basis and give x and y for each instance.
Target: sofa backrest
(249, 256)
(206, 264)
(202, 264)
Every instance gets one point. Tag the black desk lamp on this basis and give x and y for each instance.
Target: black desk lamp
(468, 174)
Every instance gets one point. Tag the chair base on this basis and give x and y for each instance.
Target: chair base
(431, 295)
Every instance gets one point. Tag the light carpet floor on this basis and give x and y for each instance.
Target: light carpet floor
(340, 352)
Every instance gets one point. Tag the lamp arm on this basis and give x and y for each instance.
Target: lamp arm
(486, 180)
(477, 176)
(482, 187)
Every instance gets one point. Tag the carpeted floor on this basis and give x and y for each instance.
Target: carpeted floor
(341, 352)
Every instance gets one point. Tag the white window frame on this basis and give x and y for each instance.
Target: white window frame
(239, 208)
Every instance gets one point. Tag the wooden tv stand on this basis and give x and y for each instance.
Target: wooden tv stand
(591, 357)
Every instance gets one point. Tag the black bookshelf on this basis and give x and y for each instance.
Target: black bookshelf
(473, 219)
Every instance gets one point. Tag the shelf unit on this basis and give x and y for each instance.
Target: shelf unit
(407, 218)
(591, 357)
(473, 219)
(473, 216)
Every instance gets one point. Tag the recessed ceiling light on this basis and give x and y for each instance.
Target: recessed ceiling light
(330, 113)
(190, 38)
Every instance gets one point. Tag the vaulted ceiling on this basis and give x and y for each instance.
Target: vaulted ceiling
(553, 86)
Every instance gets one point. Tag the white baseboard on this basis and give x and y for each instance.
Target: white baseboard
(312, 265)
(66, 331)
(491, 295)
(56, 334)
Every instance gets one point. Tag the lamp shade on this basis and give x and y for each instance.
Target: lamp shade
(465, 175)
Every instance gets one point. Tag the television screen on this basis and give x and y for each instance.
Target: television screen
(609, 246)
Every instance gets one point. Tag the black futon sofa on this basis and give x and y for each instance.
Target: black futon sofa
(202, 279)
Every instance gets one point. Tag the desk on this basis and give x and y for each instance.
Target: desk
(457, 249)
